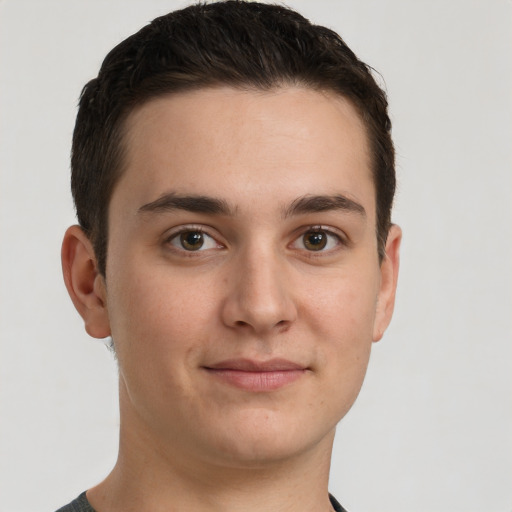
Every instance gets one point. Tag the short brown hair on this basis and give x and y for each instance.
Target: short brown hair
(236, 43)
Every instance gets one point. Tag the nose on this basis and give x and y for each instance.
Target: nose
(259, 296)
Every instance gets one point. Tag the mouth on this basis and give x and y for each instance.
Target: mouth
(256, 376)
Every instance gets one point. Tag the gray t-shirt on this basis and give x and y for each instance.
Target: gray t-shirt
(81, 504)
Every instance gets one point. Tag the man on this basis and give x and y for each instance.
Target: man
(233, 175)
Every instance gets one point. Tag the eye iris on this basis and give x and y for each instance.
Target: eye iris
(315, 240)
(192, 240)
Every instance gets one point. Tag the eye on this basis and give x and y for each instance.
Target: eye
(193, 240)
(316, 240)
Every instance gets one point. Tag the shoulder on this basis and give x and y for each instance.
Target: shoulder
(80, 504)
(335, 505)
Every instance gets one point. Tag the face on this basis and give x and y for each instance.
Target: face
(243, 287)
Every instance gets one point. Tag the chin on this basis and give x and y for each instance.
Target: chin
(265, 441)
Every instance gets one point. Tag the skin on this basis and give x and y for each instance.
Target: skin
(255, 290)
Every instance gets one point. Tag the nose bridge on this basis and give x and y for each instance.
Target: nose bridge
(260, 295)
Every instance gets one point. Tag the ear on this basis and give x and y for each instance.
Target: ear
(389, 275)
(86, 286)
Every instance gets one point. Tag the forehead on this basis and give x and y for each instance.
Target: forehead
(256, 146)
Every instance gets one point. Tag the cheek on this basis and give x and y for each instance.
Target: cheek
(160, 328)
(343, 305)
(343, 325)
(157, 313)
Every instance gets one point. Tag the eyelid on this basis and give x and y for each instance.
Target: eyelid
(186, 228)
(341, 237)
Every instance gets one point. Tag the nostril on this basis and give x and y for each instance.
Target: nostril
(282, 325)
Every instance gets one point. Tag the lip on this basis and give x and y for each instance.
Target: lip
(256, 376)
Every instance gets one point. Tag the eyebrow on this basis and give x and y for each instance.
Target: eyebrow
(214, 206)
(191, 203)
(323, 203)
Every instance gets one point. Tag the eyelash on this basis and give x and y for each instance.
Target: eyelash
(319, 229)
(190, 229)
(340, 240)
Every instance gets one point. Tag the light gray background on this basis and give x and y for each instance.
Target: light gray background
(432, 429)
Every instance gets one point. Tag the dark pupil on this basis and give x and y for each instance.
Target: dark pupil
(192, 240)
(315, 240)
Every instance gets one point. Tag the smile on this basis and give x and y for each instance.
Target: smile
(256, 376)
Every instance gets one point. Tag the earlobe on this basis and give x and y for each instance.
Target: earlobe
(389, 275)
(85, 285)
